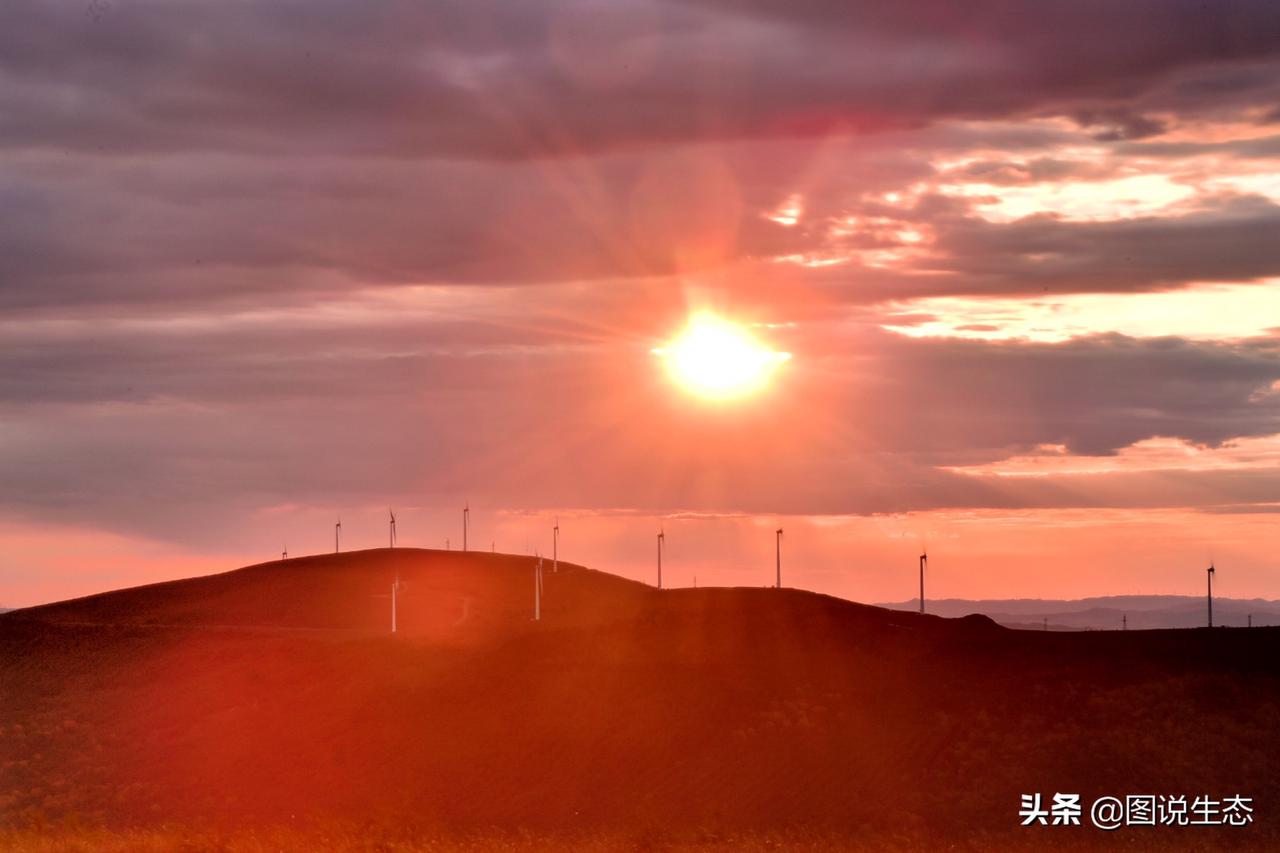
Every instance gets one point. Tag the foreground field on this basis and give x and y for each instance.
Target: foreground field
(338, 840)
(271, 701)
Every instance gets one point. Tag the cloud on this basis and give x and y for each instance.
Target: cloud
(1229, 242)
(492, 79)
(334, 253)
(192, 229)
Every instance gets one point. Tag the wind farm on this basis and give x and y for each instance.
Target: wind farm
(872, 408)
(1160, 611)
(268, 659)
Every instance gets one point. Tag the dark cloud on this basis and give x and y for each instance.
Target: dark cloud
(204, 229)
(492, 79)
(1242, 509)
(1257, 148)
(172, 228)
(1012, 172)
(1113, 125)
(177, 153)
(1228, 238)
(1095, 395)
(1230, 241)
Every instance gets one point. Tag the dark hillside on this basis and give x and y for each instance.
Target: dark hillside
(275, 693)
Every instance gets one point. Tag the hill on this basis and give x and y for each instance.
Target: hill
(444, 595)
(274, 695)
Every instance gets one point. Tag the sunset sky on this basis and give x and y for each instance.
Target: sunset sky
(263, 266)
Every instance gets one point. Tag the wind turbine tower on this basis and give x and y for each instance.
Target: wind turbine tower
(395, 589)
(555, 547)
(662, 538)
(537, 591)
(778, 557)
(284, 554)
(337, 536)
(392, 532)
(1209, 574)
(466, 518)
(924, 561)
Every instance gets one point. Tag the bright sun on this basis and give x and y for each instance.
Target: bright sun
(719, 360)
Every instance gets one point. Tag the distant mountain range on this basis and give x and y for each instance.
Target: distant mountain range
(1105, 613)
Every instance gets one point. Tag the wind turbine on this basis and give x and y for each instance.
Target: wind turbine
(778, 556)
(284, 554)
(395, 588)
(1209, 574)
(555, 547)
(392, 532)
(662, 538)
(466, 517)
(1124, 621)
(924, 562)
(537, 591)
(337, 536)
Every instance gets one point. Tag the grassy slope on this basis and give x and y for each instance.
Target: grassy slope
(273, 694)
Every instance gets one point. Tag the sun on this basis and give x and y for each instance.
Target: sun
(718, 359)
